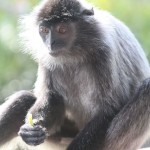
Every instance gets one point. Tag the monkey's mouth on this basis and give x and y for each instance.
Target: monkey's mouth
(55, 53)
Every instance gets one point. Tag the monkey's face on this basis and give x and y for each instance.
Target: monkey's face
(58, 32)
(58, 37)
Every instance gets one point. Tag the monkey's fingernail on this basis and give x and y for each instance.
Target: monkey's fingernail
(44, 129)
(47, 134)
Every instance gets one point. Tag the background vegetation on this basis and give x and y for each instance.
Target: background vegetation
(18, 71)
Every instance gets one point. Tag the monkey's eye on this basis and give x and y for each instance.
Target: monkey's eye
(61, 29)
(43, 29)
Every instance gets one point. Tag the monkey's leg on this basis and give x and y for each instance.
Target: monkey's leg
(12, 114)
(127, 131)
(93, 134)
(130, 128)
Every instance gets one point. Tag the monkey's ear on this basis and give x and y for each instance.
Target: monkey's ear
(88, 12)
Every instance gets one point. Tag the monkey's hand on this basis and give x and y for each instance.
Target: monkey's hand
(32, 135)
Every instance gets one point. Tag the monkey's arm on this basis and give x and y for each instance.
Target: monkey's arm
(12, 114)
(47, 118)
(48, 111)
(127, 131)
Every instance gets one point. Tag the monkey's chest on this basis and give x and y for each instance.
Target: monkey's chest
(79, 97)
(74, 88)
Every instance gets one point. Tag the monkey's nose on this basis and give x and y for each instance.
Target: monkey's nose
(53, 43)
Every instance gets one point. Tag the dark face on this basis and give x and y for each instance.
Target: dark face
(58, 37)
(66, 27)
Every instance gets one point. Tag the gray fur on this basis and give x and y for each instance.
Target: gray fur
(97, 82)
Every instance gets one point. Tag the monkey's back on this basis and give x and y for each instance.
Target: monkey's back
(129, 63)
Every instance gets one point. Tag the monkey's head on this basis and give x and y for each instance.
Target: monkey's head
(59, 30)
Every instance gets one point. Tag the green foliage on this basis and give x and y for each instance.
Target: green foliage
(134, 13)
(17, 71)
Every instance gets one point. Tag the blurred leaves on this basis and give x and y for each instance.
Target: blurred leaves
(18, 71)
(134, 13)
